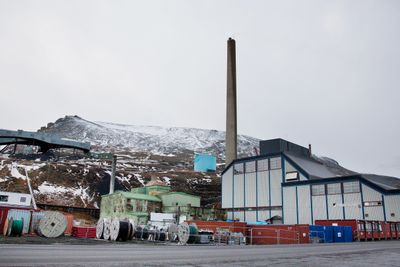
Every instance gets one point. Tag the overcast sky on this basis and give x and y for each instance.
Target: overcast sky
(319, 72)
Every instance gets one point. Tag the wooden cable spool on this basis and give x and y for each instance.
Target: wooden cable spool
(187, 233)
(53, 224)
(107, 229)
(100, 228)
(7, 226)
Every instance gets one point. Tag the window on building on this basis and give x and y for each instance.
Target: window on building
(292, 176)
(129, 206)
(250, 166)
(334, 189)
(351, 187)
(238, 168)
(3, 198)
(22, 199)
(262, 165)
(318, 190)
(275, 163)
(372, 203)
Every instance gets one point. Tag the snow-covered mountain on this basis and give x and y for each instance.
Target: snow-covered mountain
(62, 178)
(153, 139)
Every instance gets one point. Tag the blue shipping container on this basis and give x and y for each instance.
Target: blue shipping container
(348, 233)
(343, 234)
(323, 233)
(338, 234)
(205, 163)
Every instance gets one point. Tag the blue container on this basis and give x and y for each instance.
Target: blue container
(343, 233)
(323, 233)
(348, 233)
(338, 234)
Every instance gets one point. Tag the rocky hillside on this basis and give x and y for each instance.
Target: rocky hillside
(66, 178)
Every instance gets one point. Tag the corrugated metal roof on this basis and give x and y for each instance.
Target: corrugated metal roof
(317, 167)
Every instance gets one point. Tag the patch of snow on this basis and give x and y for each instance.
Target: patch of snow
(46, 188)
(167, 180)
(15, 173)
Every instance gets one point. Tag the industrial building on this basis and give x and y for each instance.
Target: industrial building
(154, 197)
(287, 183)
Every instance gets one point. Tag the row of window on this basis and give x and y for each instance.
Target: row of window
(259, 165)
(336, 188)
(4, 198)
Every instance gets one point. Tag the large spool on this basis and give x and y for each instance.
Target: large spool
(119, 230)
(132, 231)
(107, 229)
(17, 227)
(100, 228)
(53, 224)
(187, 233)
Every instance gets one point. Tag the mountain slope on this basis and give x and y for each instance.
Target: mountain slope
(143, 151)
(153, 139)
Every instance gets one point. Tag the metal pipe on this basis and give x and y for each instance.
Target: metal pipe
(113, 168)
(30, 190)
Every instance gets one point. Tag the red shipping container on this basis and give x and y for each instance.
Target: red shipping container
(275, 234)
(304, 233)
(386, 230)
(84, 232)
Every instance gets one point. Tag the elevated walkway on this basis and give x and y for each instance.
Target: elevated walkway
(44, 140)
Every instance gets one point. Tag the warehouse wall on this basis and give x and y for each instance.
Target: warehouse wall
(352, 206)
(335, 206)
(392, 207)
(238, 191)
(227, 184)
(289, 205)
(250, 190)
(263, 189)
(319, 207)
(371, 195)
(254, 189)
(276, 181)
(304, 204)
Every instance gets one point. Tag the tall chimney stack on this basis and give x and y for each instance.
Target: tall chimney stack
(231, 118)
